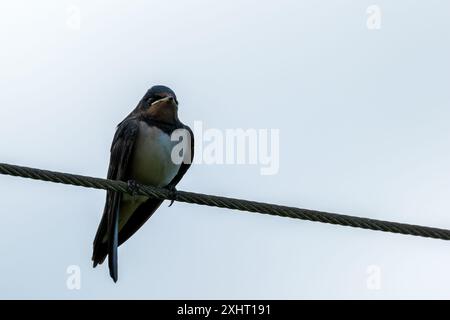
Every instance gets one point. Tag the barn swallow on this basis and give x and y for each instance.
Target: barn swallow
(140, 153)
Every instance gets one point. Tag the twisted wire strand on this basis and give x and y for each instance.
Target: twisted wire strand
(225, 202)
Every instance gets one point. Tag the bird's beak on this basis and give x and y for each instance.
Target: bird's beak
(166, 99)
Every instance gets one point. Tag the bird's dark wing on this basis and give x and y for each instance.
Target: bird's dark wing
(107, 239)
(145, 210)
(185, 165)
(138, 218)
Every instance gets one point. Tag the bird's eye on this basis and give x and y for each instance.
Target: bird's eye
(153, 99)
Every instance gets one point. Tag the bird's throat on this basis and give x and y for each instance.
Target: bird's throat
(166, 112)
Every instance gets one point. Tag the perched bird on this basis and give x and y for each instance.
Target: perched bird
(141, 152)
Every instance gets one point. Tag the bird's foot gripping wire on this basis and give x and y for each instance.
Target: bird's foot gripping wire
(133, 187)
(172, 194)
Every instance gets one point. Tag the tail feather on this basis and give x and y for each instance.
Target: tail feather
(99, 248)
(113, 236)
(106, 239)
(104, 244)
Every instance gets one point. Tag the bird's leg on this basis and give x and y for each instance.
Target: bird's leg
(133, 187)
(172, 194)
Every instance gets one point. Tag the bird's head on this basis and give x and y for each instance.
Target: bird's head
(160, 103)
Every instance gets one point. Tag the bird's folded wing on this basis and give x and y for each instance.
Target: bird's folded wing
(106, 239)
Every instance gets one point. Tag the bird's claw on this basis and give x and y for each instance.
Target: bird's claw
(133, 187)
(172, 194)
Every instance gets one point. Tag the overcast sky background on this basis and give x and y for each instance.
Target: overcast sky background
(364, 128)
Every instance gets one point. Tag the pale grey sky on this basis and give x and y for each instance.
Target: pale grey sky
(363, 118)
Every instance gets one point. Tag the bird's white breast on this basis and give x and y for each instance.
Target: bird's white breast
(151, 161)
(151, 164)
